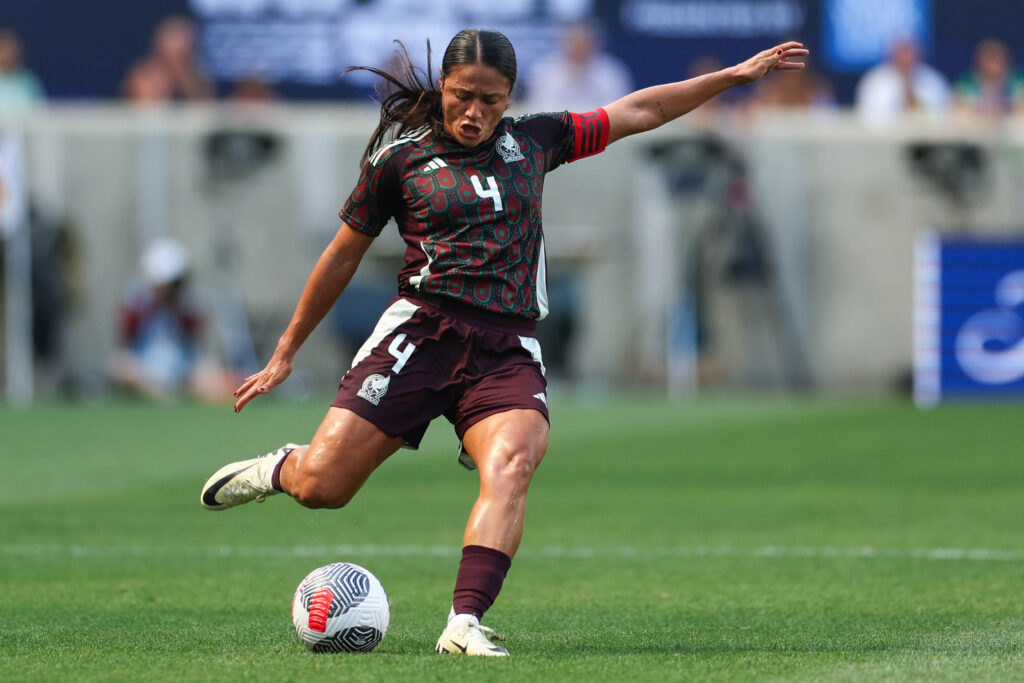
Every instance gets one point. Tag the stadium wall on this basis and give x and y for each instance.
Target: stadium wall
(655, 231)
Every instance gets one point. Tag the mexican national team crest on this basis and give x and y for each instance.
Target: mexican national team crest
(508, 148)
(374, 387)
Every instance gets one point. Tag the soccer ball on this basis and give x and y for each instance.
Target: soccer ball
(340, 607)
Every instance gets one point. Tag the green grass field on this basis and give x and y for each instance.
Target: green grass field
(719, 540)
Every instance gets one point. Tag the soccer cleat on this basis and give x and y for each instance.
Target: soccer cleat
(244, 481)
(465, 636)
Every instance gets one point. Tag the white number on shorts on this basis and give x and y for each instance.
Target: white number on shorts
(401, 354)
(490, 193)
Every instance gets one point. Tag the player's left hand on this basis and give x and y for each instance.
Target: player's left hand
(779, 58)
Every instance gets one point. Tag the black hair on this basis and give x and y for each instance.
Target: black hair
(409, 98)
(481, 46)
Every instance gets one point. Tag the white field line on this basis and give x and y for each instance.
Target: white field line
(620, 552)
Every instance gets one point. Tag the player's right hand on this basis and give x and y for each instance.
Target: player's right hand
(263, 382)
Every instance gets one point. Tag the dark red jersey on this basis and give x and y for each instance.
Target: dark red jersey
(471, 217)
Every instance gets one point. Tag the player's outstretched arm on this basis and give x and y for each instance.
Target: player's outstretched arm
(331, 274)
(649, 108)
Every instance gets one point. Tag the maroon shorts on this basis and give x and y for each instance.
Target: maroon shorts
(425, 359)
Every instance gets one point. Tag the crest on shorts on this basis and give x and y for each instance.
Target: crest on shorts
(374, 387)
(508, 148)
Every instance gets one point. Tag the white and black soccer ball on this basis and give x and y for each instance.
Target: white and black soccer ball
(340, 607)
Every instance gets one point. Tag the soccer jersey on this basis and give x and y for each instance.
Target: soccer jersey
(471, 216)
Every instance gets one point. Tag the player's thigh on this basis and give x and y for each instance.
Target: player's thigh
(345, 450)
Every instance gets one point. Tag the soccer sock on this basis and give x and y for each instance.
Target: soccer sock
(275, 477)
(481, 573)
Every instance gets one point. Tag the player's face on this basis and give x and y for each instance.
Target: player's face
(473, 99)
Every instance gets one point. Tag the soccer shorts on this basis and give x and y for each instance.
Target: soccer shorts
(427, 358)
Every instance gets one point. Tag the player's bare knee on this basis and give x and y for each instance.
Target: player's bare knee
(317, 494)
(515, 470)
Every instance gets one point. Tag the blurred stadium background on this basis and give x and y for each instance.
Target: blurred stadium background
(795, 261)
(767, 243)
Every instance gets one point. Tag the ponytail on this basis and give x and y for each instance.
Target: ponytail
(409, 100)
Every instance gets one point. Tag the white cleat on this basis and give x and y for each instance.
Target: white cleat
(465, 636)
(244, 481)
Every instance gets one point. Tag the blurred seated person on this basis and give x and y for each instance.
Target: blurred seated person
(19, 88)
(900, 85)
(992, 89)
(253, 90)
(580, 77)
(147, 83)
(159, 353)
(171, 71)
(808, 90)
(721, 110)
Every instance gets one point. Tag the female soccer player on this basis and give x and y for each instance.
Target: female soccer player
(463, 183)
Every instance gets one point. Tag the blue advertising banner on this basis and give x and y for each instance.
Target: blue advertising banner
(968, 319)
(858, 33)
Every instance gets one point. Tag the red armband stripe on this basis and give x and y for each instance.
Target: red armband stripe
(591, 133)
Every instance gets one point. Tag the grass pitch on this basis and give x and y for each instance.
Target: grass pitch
(720, 540)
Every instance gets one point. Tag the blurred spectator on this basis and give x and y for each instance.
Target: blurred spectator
(253, 90)
(807, 89)
(901, 84)
(580, 77)
(14, 208)
(146, 83)
(717, 111)
(993, 88)
(159, 352)
(171, 70)
(3, 193)
(19, 87)
(707, 64)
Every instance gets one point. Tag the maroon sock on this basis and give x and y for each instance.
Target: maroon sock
(275, 476)
(481, 573)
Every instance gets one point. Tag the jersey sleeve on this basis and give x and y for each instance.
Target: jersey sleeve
(375, 199)
(568, 136)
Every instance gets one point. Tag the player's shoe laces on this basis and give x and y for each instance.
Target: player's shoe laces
(465, 636)
(244, 481)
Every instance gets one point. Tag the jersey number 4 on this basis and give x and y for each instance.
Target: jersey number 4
(491, 192)
(401, 354)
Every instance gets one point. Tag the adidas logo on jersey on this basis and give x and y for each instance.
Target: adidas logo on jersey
(508, 148)
(433, 165)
